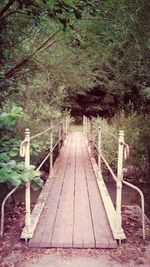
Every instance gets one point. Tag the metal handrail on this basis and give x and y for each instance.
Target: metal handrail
(107, 165)
(132, 186)
(50, 152)
(25, 152)
(39, 134)
(23, 143)
(97, 126)
(43, 132)
(3, 209)
(123, 153)
(142, 204)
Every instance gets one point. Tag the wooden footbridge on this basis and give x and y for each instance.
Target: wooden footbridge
(73, 214)
(74, 209)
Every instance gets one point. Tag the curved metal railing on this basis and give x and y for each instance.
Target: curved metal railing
(123, 154)
(25, 152)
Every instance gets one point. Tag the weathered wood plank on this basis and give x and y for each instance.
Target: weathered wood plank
(83, 236)
(73, 215)
(102, 232)
(44, 229)
(38, 208)
(63, 229)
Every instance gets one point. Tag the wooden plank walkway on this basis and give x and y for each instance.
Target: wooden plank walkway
(73, 215)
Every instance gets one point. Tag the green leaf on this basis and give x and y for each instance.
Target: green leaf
(15, 179)
(4, 156)
(3, 178)
(20, 166)
(35, 145)
(13, 153)
(25, 177)
(37, 183)
(16, 111)
(36, 173)
(11, 163)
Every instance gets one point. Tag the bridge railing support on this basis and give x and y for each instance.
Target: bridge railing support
(27, 185)
(25, 152)
(123, 153)
(86, 128)
(119, 230)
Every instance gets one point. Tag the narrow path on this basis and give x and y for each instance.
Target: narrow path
(74, 215)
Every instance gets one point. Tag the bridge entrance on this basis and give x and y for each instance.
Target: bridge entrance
(73, 214)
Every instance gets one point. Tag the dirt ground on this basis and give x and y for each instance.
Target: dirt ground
(132, 252)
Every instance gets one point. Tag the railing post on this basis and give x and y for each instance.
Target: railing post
(51, 150)
(91, 136)
(119, 184)
(27, 186)
(99, 151)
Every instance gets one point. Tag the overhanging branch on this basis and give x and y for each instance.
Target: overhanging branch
(6, 7)
(46, 44)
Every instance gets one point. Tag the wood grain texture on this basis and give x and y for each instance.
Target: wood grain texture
(73, 214)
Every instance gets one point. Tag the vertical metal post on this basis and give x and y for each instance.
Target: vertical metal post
(119, 184)
(27, 186)
(51, 150)
(91, 136)
(99, 151)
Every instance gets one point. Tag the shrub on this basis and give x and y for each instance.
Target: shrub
(136, 128)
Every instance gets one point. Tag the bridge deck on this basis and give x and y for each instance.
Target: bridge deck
(73, 215)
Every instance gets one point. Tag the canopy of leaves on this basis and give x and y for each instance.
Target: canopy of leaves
(87, 57)
(96, 50)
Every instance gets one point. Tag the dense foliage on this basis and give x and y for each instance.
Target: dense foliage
(137, 166)
(86, 57)
(10, 170)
